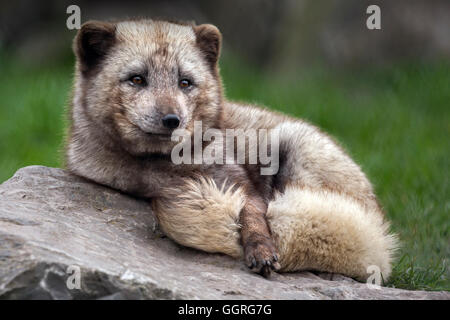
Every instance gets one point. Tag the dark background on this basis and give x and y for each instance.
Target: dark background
(276, 34)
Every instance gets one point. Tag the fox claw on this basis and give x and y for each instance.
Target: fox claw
(261, 257)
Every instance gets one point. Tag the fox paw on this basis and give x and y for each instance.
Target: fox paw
(261, 256)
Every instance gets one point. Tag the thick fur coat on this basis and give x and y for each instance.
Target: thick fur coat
(318, 212)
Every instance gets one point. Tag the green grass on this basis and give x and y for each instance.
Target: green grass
(32, 102)
(394, 121)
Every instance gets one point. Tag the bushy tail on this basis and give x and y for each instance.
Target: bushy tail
(330, 232)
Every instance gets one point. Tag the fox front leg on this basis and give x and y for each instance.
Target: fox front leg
(260, 252)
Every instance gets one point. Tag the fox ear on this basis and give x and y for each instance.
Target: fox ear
(92, 43)
(209, 41)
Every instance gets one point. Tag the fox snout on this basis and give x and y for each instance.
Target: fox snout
(166, 114)
(158, 121)
(171, 121)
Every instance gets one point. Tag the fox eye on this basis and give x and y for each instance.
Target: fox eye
(185, 83)
(137, 80)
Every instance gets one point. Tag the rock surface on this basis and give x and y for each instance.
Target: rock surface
(53, 223)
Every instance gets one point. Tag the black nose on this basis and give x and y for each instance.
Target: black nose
(171, 121)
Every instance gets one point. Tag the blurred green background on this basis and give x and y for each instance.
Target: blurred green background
(384, 97)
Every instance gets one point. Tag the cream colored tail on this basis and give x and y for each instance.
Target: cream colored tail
(330, 232)
(320, 231)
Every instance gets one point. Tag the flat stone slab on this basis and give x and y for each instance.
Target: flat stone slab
(54, 224)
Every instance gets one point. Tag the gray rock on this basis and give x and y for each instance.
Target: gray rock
(52, 223)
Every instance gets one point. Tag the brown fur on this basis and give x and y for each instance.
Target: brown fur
(116, 139)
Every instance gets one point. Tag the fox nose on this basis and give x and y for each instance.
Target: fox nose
(171, 121)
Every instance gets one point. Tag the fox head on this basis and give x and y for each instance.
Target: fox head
(139, 80)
